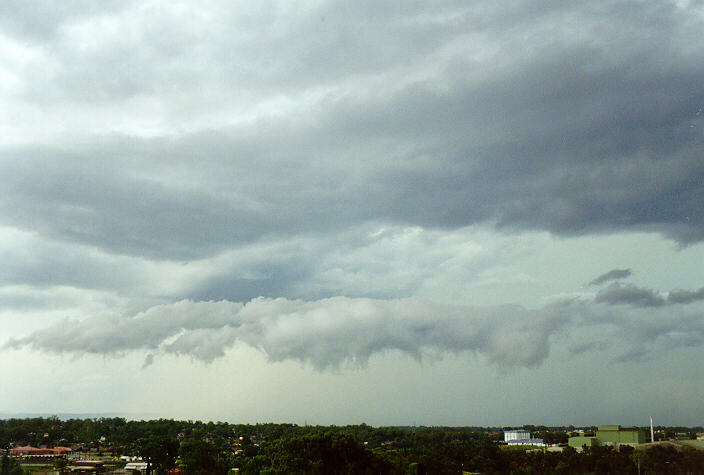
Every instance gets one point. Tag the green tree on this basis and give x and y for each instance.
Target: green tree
(199, 457)
(159, 452)
(637, 457)
(329, 453)
(86, 433)
(8, 466)
(60, 464)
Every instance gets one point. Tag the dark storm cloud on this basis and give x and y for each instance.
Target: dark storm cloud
(627, 294)
(325, 333)
(685, 296)
(510, 114)
(611, 275)
(616, 294)
(101, 205)
(36, 263)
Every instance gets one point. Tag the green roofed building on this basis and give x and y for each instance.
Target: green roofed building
(610, 435)
(581, 441)
(620, 435)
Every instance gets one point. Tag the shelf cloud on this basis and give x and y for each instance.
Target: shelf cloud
(324, 333)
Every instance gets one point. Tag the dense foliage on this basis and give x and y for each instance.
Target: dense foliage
(213, 448)
(9, 466)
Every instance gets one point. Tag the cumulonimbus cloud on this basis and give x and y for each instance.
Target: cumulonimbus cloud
(325, 333)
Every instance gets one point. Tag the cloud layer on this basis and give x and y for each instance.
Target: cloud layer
(260, 122)
(330, 332)
(325, 333)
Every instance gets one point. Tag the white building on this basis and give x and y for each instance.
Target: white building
(520, 437)
(519, 434)
(141, 466)
(538, 442)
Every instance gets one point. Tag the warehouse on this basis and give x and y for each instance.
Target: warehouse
(609, 435)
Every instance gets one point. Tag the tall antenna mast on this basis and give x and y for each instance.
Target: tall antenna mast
(652, 433)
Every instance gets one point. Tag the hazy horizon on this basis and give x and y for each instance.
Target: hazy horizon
(153, 417)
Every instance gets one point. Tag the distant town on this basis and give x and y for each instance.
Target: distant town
(50, 445)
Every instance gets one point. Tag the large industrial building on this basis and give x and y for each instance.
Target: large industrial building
(520, 437)
(609, 435)
(519, 434)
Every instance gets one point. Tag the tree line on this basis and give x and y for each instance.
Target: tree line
(217, 447)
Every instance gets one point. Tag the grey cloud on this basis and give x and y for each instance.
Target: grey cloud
(636, 353)
(21, 298)
(642, 327)
(628, 294)
(268, 270)
(616, 294)
(111, 334)
(118, 212)
(614, 274)
(247, 48)
(373, 261)
(685, 296)
(579, 348)
(325, 333)
(31, 261)
(39, 21)
(148, 361)
(545, 132)
(671, 332)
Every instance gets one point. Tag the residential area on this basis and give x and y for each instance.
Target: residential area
(117, 446)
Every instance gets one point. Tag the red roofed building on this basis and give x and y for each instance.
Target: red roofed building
(29, 453)
(29, 450)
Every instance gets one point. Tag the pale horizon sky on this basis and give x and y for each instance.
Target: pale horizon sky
(441, 213)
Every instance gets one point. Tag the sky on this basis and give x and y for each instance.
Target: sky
(331, 212)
